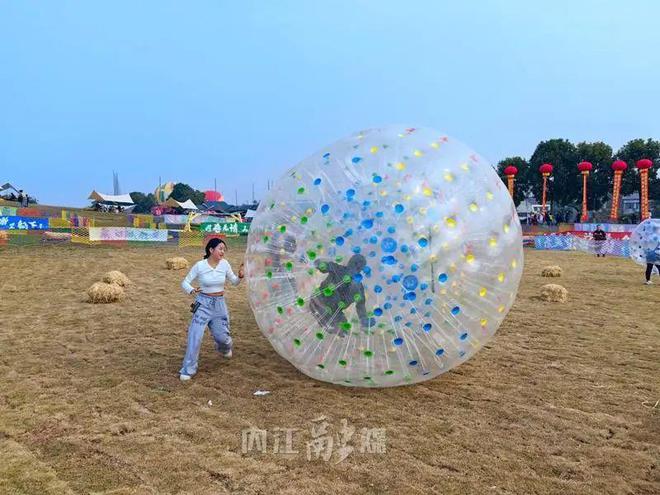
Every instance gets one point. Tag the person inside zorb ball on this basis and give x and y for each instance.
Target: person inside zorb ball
(387, 258)
(645, 246)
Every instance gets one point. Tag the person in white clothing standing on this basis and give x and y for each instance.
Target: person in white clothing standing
(209, 307)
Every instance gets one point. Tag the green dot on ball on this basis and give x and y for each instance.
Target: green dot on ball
(328, 291)
(389, 372)
(300, 301)
(339, 259)
(342, 362)
(368, 353)
(342, 305)
(297, 342)
(347, 279)
(346, 326)
(303, 220)
(322, 366)
(358, 298)
(280, 309)
(301, 190)
(319, 335)
(323, 266)
(283, 228)
(311, 254)
(269, 274)
(266, 238)
(289, 266)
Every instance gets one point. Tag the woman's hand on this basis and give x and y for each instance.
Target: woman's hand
(196, 291)
(241, 271)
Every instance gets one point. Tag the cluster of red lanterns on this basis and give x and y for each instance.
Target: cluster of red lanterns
(619, 166)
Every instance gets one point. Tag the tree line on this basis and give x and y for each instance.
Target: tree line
(181, 192)
(565, 184)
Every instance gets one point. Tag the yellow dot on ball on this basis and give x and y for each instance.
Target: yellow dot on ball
(400, 166)
(489, 195)
(443, 291)
(436, 228)
(492, 242)
(514, 263)
(445, 245)
(484, 322)
(506, 228)
(293, 218)
(418, 153)
(469, 258)
(433, 258)
(449, 177)
(500, 309)
(422, 211)
(427, 191)
(407, 197)
(474, 207)
(383, 193)
(451, 223)
(465, 166)
(500, 277)
(309, 211)
(410, 220)
(435, 145)
(482, 291)
(374, 149)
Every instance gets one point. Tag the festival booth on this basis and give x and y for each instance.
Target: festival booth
(108, 202)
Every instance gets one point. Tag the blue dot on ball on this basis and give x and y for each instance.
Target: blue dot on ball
(379, 214)
(357, 250)
(439, 352)
(455, 310)
(340, 241)
(377, 179)
(391, 229)
(410, 296)
(413, 267)
(398, 341)
(396, 278)
(326, 155)
(428, 301)
(357, 278)
(443, 278)
(399, 208)
(387, 305)
(410, 282)
(404, 249)
(368, 223)
(378, 289)
(356, 159)
(413, 363)
(413, 311)
(317, 181)
(424, 286)
(378, 312)
(325, 209)
(388, 260)
(367, 271)
(427, 327)
(423, 242)
(388, 245)
(464, 336)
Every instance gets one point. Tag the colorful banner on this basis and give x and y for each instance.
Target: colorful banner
(611, 247)
(607, 227)
(127, 234)
(183, 219)
(234, 228)
(8, 222)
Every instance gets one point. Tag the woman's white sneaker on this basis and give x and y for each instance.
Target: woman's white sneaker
(184, 378)
(227, 354)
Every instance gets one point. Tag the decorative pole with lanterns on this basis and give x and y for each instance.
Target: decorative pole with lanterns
(618, 166)
(546, 170)
(644, 165)
(584, 168)
(510, 173)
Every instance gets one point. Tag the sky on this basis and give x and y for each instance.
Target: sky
(239, 91)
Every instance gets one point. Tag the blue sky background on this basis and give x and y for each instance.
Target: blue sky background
(239, 91)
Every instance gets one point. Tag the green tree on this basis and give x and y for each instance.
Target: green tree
(522, 184)
(636, 150)
(599, 155)
(564, 188)
(183, 192)
(143, 202)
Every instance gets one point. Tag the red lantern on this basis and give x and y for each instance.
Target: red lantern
(510, 173)
(546, 170)
(618, 166)
(644, 165)
(584, 168)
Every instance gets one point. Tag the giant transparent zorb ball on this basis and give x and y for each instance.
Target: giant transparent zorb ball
(386, 258)
(645, 242)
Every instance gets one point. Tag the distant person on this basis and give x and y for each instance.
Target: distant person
(652, 259)
(600, 237)
(340, 289)
(20, 197)
(209, 307)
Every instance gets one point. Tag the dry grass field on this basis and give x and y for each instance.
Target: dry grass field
(563, 401)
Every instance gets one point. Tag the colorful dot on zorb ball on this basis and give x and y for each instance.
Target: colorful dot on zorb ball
(385, 287)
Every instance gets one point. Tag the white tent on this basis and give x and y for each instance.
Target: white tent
(186, 205)
(122, 199)
(250, 213)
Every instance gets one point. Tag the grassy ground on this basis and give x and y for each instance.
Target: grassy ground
(561, 402)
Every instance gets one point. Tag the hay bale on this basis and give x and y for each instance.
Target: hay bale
(116, 277)
(176, 263)
(100, 292)
(554, 293)
(551, 271)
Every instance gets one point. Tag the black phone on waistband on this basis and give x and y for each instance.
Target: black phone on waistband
(194, 306)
